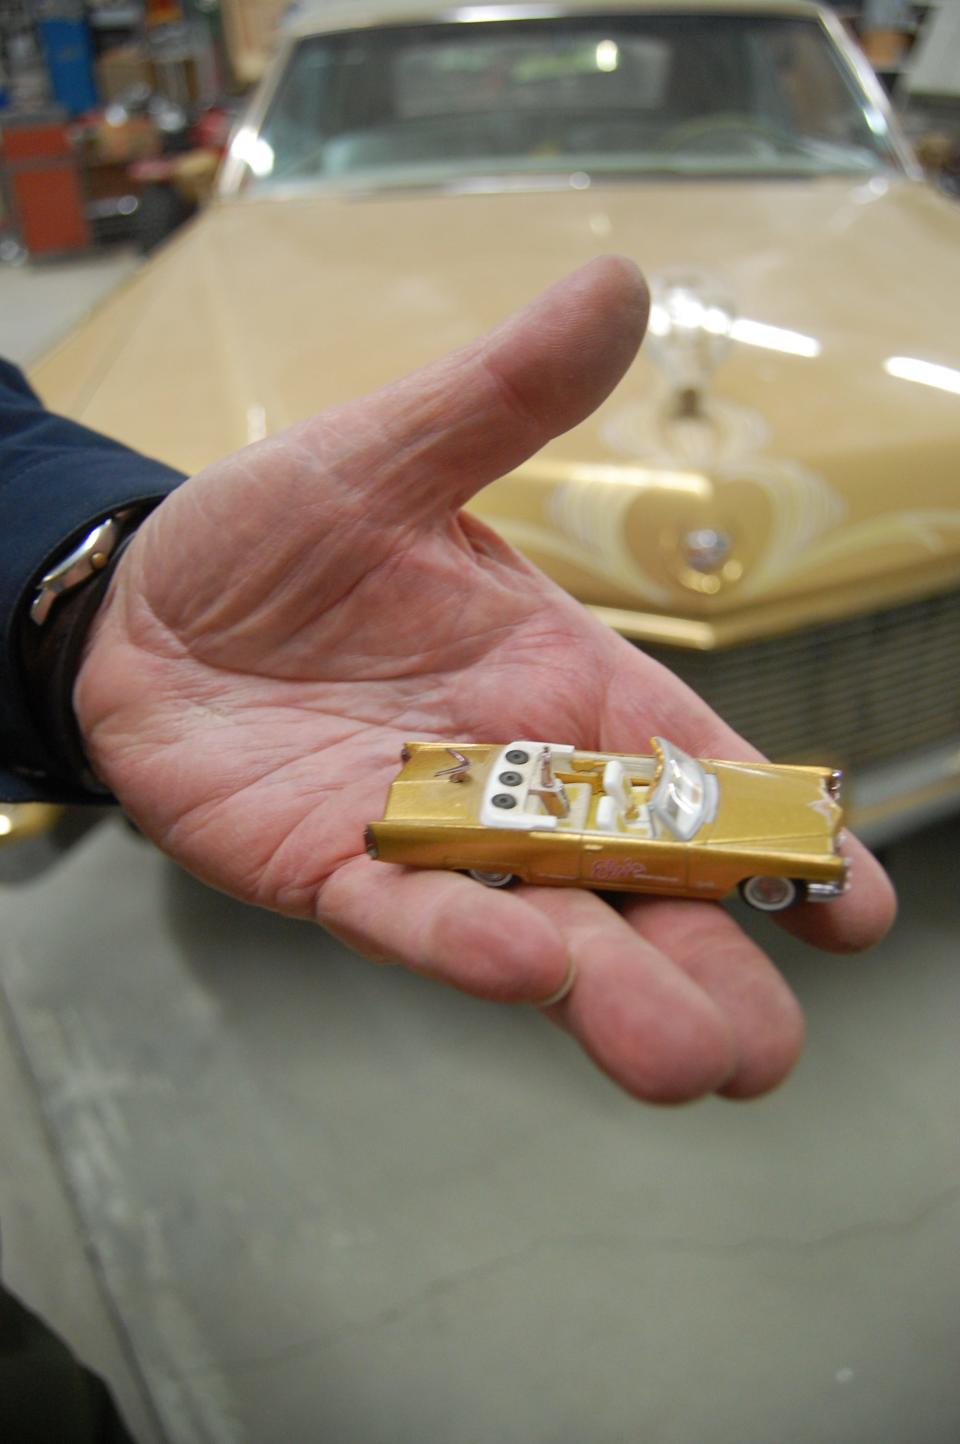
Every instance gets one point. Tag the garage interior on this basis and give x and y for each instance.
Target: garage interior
(273, 1192)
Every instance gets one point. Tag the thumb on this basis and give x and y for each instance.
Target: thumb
(427, 443)
(354, 475)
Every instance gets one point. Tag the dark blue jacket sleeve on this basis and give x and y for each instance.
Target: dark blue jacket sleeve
(57, 480)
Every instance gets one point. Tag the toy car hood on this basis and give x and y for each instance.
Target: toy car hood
(788, 808)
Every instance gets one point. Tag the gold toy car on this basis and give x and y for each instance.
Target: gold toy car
(667, 823)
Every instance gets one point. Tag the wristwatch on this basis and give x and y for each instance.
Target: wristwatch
(82, 564)
(51, 643)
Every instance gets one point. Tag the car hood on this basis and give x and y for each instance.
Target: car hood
(772, 807)
(829, 470)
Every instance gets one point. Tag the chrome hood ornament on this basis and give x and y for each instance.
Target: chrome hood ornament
(692, 316)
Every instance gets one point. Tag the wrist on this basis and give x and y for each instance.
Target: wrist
(63, 618)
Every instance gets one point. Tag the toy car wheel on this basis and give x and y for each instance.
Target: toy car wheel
(769, 894)
(491, 879)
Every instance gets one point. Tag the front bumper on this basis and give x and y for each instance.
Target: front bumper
(826, 891)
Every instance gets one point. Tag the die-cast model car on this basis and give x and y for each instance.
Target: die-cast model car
(665, 823)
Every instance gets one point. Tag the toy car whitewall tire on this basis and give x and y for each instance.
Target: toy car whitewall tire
(769, 894)
(491, 879)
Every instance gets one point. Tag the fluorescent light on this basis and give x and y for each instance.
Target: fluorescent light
(473, 13)
(774, 338)
(927, 373)
(687, 312)
(608, 55)
(715, 321)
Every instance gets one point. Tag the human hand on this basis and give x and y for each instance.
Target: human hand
(290, 616)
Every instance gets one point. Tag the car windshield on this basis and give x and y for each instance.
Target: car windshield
(643, 93)
(680, 800)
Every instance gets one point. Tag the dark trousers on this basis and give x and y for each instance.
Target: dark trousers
(46, 1395)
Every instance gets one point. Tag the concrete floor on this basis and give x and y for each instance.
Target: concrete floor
(40, 302)
(277, 1194)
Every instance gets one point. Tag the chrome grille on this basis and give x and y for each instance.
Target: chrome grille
(848, 692)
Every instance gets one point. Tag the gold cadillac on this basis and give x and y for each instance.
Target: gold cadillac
(666, 823)
(769, 501)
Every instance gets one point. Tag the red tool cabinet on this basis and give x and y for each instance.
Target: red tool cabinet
(41, 185)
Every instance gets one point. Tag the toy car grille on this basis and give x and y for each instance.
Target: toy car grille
(848, 692)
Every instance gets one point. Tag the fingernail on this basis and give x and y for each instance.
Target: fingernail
(563, 989)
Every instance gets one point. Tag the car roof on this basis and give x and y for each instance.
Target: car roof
(314, 17)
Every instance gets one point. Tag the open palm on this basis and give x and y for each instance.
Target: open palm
(292, 615)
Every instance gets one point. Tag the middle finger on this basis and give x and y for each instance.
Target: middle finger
(714, 952)
(643, 1020)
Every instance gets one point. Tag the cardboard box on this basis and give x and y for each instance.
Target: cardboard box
(119, 70)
